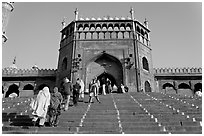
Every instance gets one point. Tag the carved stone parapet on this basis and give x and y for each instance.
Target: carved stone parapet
(177, 70)
(28, 72)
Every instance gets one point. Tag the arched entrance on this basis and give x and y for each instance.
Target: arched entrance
(169, 88)
(12, 89)
(198, 87)
(28, 87)
(104, 76)
(185, 89)
(104, 66)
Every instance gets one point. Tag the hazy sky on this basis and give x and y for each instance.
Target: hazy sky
(33, 31)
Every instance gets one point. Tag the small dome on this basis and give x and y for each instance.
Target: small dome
(105, 18)
(110, 18)
(93, 18)
(81, 18)
(98, 18)
(116, 18)
(87, 18)
(13, 66)
(122, 18)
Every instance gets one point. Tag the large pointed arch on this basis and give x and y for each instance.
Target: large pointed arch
(104, 63)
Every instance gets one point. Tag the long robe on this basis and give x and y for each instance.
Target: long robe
(42, 102)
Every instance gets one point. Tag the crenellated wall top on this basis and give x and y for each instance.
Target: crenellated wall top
(52, 72)
(28, 72)
(177, 70)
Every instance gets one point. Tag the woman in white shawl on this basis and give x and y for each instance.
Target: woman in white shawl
(40, 106)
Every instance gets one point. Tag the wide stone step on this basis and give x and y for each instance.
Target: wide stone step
(99, 128)
(186, 132)
(100, 119)
(188, 129)
(101, 124)
(144, 132)
(136, 124)
(105, 116)
(137, 120)
(99, 132)
(142, 128)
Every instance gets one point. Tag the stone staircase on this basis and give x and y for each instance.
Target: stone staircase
(130, 113)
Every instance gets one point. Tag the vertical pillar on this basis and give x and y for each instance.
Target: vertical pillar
(73, 75)
(147, 26)
(175, 83)
(191, 86)
(137, 67)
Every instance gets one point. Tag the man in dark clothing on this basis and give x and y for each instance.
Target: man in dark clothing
(54, 109)
(76, 89)
(67, 90)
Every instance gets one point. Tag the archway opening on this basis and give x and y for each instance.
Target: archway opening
(167, 85)
(169, 88)
(40, 87)
(183, 86)
(103, 78)
(198, 87)
(184, 89)
(12, 89)
(104, 66)
(28, 87)
(147, 87)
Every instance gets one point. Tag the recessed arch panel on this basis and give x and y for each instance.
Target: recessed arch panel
(145, 64)
(28, 87)
(183, 86)
(147, 86)
(12, 89)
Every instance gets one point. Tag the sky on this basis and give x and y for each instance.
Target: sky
(33, 30)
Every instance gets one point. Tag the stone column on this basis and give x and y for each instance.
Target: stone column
(175, 83)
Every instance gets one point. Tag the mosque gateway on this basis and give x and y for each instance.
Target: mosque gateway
(118, 49)
(115, 48)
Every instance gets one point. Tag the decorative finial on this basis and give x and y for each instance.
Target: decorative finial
(14, 60)
(63, 23)
(76, 12)
(35, 67)
(132, 13)
(146, 23)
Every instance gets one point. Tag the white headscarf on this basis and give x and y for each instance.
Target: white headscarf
(46, 91)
